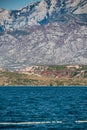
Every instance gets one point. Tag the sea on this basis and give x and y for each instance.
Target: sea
(43, 108)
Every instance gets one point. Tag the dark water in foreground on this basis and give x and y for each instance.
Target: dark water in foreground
(43, 108)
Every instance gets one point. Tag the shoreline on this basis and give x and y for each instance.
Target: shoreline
(44, 86)
(45, 76)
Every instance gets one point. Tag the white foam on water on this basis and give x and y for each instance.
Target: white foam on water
(81, 121)
(30, 123)
(39, 122)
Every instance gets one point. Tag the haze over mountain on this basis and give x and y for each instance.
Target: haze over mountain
(46, 32)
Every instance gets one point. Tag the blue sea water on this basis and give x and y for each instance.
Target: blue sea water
(43, 108)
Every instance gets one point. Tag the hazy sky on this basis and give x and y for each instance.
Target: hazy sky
(14, 4)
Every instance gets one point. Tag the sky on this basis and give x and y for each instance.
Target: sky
(15, 4)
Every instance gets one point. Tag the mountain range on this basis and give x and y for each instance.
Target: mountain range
(50, 32)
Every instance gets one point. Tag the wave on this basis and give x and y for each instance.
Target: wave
(30, 123)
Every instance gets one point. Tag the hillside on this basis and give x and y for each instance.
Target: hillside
(45, 76)
(50, 32)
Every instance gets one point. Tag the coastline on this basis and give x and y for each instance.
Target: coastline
(56, 76)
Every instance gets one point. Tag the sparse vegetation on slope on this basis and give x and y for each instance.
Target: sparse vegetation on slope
(46, 76)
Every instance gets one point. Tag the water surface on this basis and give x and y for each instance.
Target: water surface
(43, 108)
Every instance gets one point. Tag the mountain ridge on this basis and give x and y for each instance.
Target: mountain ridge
(46, 32)
(40, 12)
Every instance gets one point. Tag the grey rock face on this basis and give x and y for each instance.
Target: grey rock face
(46, 32)
(43, 12)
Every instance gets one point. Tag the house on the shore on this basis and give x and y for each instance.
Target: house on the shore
(73, 67)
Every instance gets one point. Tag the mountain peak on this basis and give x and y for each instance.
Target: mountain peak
(43, 12)
(61, 40)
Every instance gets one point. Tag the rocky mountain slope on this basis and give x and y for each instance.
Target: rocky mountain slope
(46, 32)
